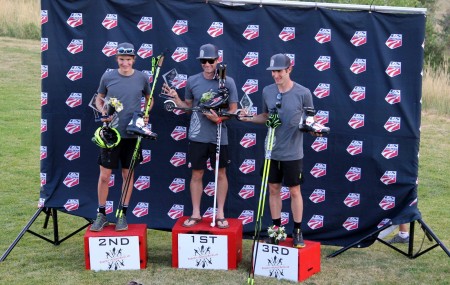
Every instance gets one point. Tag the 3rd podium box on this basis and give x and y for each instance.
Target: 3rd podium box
(112, 250)
(286, 262)
(206, 247)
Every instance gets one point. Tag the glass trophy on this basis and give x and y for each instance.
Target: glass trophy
(169, 78)
(112, 106)
(246, 103)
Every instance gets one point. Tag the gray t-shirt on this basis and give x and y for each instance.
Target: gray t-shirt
(288, 140)
(201, 129)
(128, 90)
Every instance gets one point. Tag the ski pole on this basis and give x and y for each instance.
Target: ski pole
(156, 64)
(216, 171)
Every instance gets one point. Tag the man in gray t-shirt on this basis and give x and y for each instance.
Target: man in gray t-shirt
(203, 132)
(285, 99)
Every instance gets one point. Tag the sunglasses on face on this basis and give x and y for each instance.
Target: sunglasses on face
(210, 61)
(278, 103)
(125, 51)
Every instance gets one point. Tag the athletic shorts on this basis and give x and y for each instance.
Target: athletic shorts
(123, 153)
(290, 173)
(198, 154)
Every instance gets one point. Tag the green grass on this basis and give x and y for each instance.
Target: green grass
(34, 261)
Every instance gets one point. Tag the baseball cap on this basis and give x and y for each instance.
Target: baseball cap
(279, 61)
(125, 49)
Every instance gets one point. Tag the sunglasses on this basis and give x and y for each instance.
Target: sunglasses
(210, 61)
(125, 50)
(278, 103)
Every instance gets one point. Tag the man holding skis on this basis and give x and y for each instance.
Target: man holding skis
(128, 86)
(282, 110)
(203, 131)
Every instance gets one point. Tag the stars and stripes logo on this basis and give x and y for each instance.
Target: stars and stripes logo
(74, 100)
(216, 29)
(247, 191)
(387, 203)
(180, 54)
(322, 90)
(73, 152)
(179, 133)
(250, 86)
(352, 223)
(358, 66)
(287, 34)
(145, 24)
(316, 222)
(323, 63)
(392, 124)
(145, 50)
(246, 217)
(110, 21)
(248, 140)
(320, 144)
(251, 59)
(323, 36)
(75, 73)
(180, 27)
(390, 151)
(177, 185)
(251, 32)
(43, 152)
(359, 38)
(357, 121)
(317, 196)
(142, 183)
(73, 126)
(389, 177)
(75, 20)
(176, 211)
(394, 41)
(72, 205)
(110, 49)
(72, 179)
(319, 170)
(44, 16)
(353, 174)
(352, 200)
(146, 156)
(75, 46)
(394, 68)
(355, 147)
(44, 44)
(141, 209)
(394, 96)
(178, 159)
(358, 93)
(247, 166)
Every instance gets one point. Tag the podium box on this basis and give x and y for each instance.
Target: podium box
(206, 247)
(112, 250)
(286, 262)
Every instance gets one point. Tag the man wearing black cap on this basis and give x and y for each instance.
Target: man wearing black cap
(128, 86)
(283, 103)
(203, 129)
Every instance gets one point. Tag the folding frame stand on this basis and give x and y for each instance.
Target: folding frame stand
(49, 212)
(428, 232)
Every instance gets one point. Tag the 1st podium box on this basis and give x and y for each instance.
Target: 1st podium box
(206, 247)
(111, 250)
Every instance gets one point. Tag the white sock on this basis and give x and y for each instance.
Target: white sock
(403, 234)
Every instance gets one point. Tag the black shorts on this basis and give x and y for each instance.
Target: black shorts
(198, 154)
(110, 157)
(290, 173)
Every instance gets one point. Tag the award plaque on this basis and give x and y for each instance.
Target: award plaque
(246, 103)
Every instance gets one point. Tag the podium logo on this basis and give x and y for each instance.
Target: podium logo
(73, 152)
(320, 144)
(44, 98)
(359, 38)
(323, 63)
(145, 24)
(209, 212)
(145, 50)
(316, 222)
(74, 20)
(110, 21)
(178, 159)
(319, 170)
(73, 126)
(75, 73)
(43, 152)
(322, 90)
(177, 185)
(75, 46)
(251, 32)
(74, 100)
(358, 93)
(291, 57)
(146, 156)
(284, 193)
(389, 177)
(247, 191)
(72, 179)
(209, 189)
(323, 36)
(247, 166)
(141, 209)
(44, 44)
(392, 124)
(180, 27)
(357, 121)
(149, 74)
(287, 34)
(390, 151)
(246, 217)
(44, 16)
(109, 207)
(358, 66)
(394, 68)
(394, 96)
(352, 200)
(44, 71)
(352, 223)
(112, 179)
(110, 49)
(355, 147)
(142, 183)
(322, 116)
(284, 218)
(248, 140)
(251, 59)
(387, 203)
(383, 223)
(317, 196)
(43, 178)
(176, 211)
(216, 29)
(71, 205)
(250, 86)
(180, 54)
(353, 174)
(179, 133)
(394, 41)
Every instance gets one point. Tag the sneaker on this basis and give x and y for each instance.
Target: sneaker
(297, 238)
(99, 223)
(398, 239)
(121, 224)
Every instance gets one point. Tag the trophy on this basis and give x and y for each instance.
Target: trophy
(246, 103)
(111, 107)
(169, 78)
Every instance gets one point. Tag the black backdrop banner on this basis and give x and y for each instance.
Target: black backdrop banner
(363, 68)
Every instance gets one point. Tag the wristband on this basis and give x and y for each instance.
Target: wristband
(219, 121)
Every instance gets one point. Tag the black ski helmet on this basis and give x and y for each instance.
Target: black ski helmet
(279, 61)
(208, 51)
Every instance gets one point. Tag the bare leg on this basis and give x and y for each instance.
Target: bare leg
(103, 188)
(296, 203)
(275, 202)
(222, 190)
(130, 185)
(196, 193)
